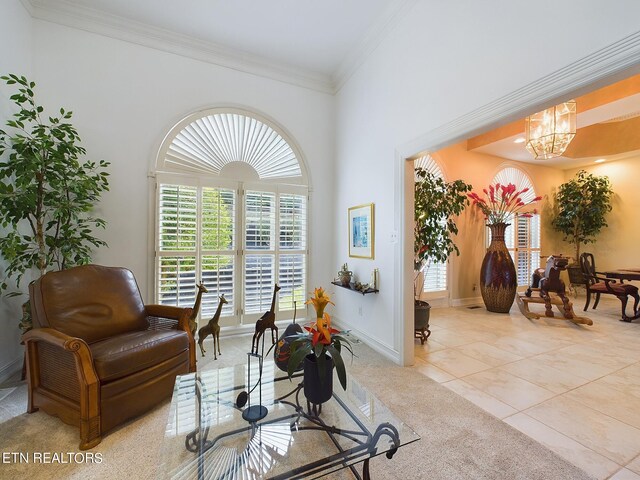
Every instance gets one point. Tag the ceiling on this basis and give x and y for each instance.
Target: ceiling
(608, 126)
(319, 37)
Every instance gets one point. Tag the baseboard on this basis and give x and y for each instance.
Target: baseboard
(251, 328)
(465, 302)
(378, 346)
(10, 369)
(440, 302)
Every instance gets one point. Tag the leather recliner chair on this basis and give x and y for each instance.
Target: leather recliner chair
(97, 356)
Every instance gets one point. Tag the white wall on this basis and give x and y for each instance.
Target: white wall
(15, 57)
(125, 98)
(442, 60)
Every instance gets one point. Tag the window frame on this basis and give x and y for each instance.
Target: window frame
(513, 223)
(239, 317)
(429, 163)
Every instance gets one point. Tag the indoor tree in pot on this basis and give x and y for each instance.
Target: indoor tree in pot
(436, 203)
(580, 209)
(47, 194)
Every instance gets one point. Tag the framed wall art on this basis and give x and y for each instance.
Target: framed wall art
(361, 231)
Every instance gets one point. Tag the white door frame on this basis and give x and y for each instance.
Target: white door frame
(602, 67)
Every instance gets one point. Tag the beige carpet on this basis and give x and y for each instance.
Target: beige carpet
(459, 441)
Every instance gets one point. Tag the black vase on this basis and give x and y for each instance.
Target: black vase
(498, 280)
(316, 390)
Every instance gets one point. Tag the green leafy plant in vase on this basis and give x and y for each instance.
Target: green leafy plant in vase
(320, 342)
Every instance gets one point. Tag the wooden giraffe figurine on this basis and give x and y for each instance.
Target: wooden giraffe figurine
(193, 325)
(212, 328)
(268, 320)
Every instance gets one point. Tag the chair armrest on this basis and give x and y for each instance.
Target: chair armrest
(605, 280)
(180, 317)
(167, 311)
(55, 337)
(84, 369)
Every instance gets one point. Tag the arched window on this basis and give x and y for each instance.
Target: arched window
(231, 212)
(435, 279)
(523, 235)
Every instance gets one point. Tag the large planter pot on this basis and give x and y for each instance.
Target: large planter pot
(498, 281)
(576, 277)
(317, 391)
(421, 320)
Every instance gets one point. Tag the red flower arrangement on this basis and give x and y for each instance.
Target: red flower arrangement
(502, 202)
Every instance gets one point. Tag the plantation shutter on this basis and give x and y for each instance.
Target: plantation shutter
(293, 245)
(177, 241)
(259, 265)
(522, 237)
(218, 249)
(435, 277)
(196, 243)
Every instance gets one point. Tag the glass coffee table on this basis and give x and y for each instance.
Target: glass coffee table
(208, 438)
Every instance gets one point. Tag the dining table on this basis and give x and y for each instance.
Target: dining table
(622, 274)
(629, 275)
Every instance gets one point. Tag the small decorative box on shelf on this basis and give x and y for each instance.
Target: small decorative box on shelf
(353, 288)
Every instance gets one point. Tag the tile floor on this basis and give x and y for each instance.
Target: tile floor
(575, 389)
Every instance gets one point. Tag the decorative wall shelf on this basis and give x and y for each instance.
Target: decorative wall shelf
(353, 288)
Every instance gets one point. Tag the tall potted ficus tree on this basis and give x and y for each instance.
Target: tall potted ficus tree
(436, 204)
(580, 209)
(47, 192)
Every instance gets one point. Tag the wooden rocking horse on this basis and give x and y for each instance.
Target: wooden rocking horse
(547, 282)
(268, 320)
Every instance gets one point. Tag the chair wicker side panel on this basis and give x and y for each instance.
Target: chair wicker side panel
(58, 371)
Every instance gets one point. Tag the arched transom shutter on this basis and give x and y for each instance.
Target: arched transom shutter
(436, 275)
(209, 143)
(523, 235)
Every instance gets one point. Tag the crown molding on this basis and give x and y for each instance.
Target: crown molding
(374, 35)
(611, 63)
(113, 26)
(27, 6)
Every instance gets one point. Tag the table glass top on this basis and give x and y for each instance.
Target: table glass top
(209, 438)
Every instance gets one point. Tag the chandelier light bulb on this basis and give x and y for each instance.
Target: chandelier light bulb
(549, 132)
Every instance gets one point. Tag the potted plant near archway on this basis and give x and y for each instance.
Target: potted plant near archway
(580, 209)
(436, 204)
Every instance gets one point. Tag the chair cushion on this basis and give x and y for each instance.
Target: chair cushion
(618, 288)
(131, 352)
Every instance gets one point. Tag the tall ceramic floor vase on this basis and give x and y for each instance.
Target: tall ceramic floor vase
(498, 279)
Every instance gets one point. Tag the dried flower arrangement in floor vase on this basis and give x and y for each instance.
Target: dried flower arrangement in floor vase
(498, 278)
(320, 348)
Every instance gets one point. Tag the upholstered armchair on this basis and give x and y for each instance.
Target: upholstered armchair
(97, 356)
(597, 283)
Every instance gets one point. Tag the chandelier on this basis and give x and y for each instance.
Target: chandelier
(549, 132)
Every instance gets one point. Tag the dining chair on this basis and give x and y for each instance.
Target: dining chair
(597, 283)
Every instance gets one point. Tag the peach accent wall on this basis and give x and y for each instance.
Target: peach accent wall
(479, 169)
(617, 245)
